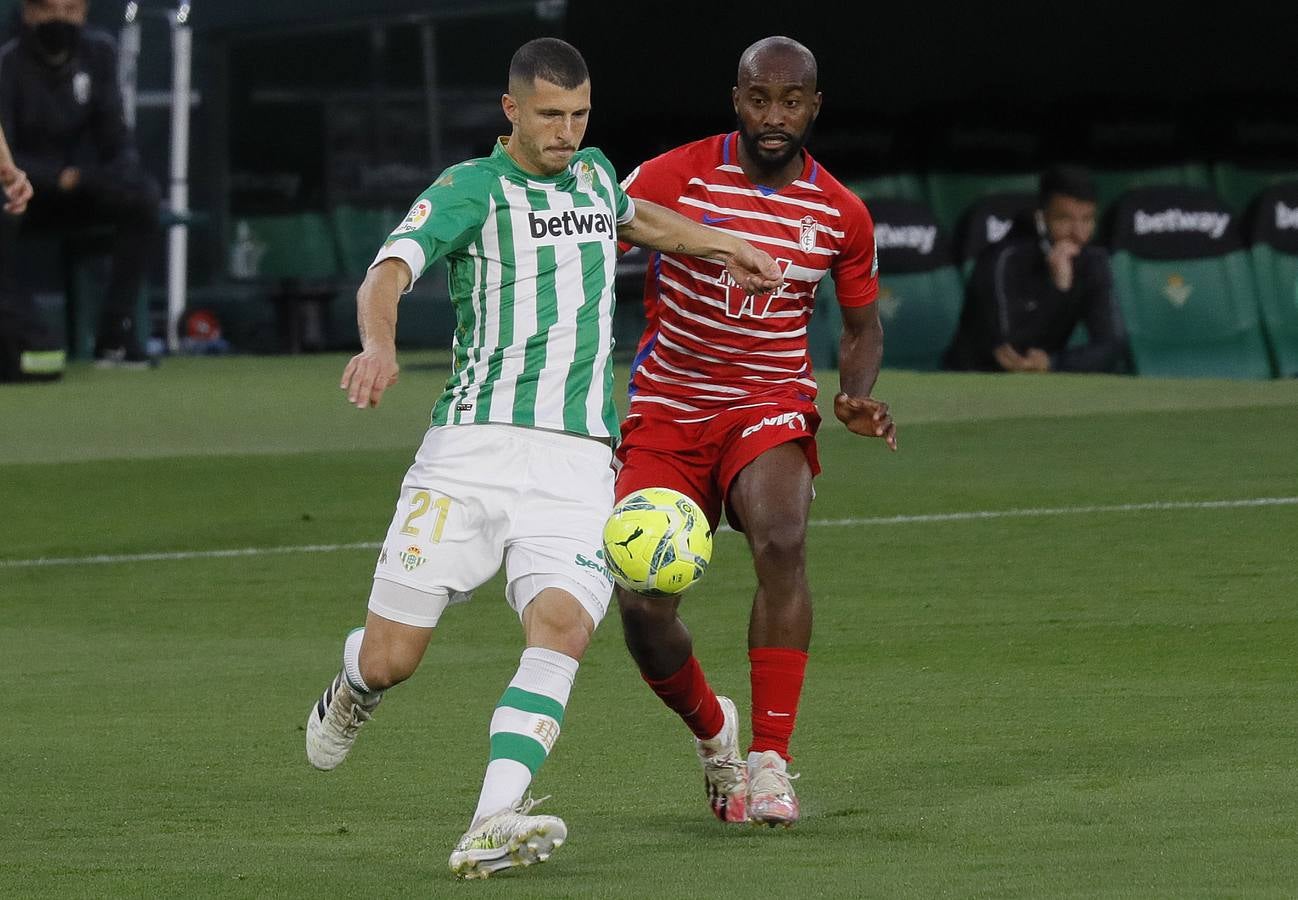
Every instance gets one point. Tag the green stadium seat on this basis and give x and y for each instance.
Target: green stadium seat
(1185, 286)
(1240, 185)
(294, 246)
(920, 292)
(988, 221)
(1274, 234)
(1110, 184)
(894, 186)
(360, 231)
(951, 193)
(294, 258)
(825, 327)
(920, 289)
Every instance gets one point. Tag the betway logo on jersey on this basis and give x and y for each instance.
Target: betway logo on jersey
(910, 237)
(792, 420)
(1176, 219)
(572, 226)
(1285, 217)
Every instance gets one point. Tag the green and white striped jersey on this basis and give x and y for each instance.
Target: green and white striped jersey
(531, 277)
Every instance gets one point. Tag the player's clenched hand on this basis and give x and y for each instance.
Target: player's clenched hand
(368, 374)
(867, 416)
(754, 270)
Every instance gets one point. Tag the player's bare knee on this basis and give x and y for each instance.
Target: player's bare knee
(556, 621)
(780, 548)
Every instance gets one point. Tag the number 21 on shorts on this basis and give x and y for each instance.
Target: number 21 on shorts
(421, 502)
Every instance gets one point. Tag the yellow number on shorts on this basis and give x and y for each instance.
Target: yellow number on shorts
(420, 503)
(443, 505)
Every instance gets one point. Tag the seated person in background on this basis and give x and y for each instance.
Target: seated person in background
(1029, 292)
(61, 107)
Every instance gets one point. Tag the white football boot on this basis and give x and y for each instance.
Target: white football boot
(771, 800)
(333, 722)
(510, 838)
(725, 773)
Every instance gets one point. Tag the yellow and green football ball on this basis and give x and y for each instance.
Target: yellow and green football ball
(657, 542)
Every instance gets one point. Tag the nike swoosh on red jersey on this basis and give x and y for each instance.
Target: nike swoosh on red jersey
(712, 220)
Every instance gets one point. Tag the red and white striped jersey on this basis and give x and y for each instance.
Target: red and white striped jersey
(707, 344)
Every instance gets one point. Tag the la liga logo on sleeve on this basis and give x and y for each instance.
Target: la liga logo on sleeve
(417, 216)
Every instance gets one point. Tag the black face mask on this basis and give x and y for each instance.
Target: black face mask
(56, 38)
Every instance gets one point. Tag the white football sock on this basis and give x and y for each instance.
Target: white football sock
(352, 667)
(525, 726)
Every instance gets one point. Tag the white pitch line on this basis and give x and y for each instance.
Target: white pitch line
(1157, 506)
(973, 516)
(179, 555)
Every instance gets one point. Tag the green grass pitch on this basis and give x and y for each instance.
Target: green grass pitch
(1087, 698)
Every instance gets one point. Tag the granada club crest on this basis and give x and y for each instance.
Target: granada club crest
(1177, 290)
(412, 558)
(807, 234)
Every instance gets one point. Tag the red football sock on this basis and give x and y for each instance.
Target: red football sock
(689, 696)
(777, 674)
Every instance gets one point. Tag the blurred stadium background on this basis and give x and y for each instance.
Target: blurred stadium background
(1055, 632)
(314, 125)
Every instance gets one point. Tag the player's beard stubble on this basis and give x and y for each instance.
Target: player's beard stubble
(773, 160)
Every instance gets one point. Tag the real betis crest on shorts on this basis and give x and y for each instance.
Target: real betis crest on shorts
(412, 558)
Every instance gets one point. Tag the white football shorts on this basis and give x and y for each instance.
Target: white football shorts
(480, 494)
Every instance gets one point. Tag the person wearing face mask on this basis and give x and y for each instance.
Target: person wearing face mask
(61, 107)
(1028, 293)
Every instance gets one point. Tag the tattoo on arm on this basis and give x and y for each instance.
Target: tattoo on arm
(680, 248)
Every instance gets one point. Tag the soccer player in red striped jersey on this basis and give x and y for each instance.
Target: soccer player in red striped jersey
(723, 404)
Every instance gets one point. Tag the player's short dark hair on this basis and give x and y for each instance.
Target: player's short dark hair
(1067, 181)
(549, 59)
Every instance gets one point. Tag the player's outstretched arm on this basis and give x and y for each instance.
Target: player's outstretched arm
(860, 354)
(659, 228)
(374, 370)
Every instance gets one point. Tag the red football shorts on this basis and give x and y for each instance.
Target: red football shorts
(702, 459)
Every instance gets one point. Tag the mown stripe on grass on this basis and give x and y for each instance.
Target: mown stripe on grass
(969, 516)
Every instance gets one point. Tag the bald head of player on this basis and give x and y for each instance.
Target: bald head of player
(548, 105)
(776, 102)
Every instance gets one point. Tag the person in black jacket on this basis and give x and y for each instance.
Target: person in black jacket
(1029, 292)
(61, 107)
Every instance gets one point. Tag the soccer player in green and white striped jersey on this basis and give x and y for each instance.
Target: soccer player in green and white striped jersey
(530, 234)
